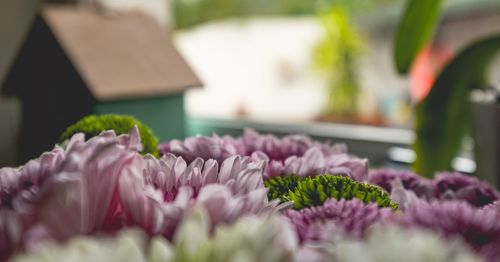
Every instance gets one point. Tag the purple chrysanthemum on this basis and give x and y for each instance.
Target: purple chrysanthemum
(10, 232)
(315, 162)
(493, 206)
(386, 179)
(204, 147)
(480, 228)
(22, 189)
(292, 154)
(130, 189)
(18, 182)
(445, 186)
(155, 192)
(282, 148)
(105, 184)
(169, 173)
(351, 217)
(220, 148)
(463, 187)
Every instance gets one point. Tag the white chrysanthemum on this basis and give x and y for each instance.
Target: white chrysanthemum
(128, 245)
(393, 244)
(264, 238)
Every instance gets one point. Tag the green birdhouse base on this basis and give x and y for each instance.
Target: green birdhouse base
(164, 115)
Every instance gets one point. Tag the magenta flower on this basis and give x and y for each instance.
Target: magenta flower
(463, 187)
(480, 228)
(351, 217)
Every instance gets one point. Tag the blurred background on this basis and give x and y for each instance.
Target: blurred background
(323, 68)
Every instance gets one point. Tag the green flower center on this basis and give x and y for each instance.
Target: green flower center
(314, 191)
(93, 125)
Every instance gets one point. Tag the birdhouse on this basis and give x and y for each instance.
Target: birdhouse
(79, 61)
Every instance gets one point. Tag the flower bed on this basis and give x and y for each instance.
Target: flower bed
(252, 198)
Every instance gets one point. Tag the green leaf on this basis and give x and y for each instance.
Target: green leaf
(416, 27)
(443, 117)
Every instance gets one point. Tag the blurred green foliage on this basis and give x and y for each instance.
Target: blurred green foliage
(192, 12)
(335, 55)
(414, 30)
(443, 117)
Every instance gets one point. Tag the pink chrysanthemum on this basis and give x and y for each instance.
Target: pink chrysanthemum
(220, 148)
(480, 228)
(445, 186)
(25, 190)
(293, 154)
(351, 217)
(282, 148)
(463, 187)
(494, 206)
(315, 162)
(214, 147)
(155, 192)
(104, 184)
(386, 179)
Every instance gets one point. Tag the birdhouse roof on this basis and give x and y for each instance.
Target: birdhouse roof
(119, 55)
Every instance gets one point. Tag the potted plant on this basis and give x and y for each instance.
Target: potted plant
(335, 56)
(443, 117)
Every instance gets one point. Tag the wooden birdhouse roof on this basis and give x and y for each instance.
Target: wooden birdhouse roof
(121, 55)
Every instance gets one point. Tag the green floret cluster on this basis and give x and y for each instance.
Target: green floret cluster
(93, 125)
(280, 186)
(314, 191)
